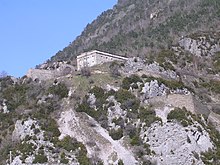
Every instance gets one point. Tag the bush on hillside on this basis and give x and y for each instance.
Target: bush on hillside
(98, 92)
(181, 115)
(172, 84)
(114, 69)
(60, 90)
(127, 81)
(127, 99)
(51, 128)
(63, 158)
(40, 159)
(116, 134)
(15, 95)
(147, 115)
(85, 71)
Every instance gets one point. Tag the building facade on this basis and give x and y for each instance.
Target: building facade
(96, 57)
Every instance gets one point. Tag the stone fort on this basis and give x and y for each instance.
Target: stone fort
(96, 57)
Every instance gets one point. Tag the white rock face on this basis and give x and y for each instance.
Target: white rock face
(23, 128)
(91, 100)
(174, 144)
(5, 108)
(109, 150)
(163, 112)
(200, 47)
(138, 66)
(153, 89)
(16, 161)
(115, 111)
(110, 87)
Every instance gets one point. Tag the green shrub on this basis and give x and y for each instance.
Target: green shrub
(15, 95)
(127, 81)
(147, 115)
(123, 95)
(165, 55)
(181, 115)
(63, 158)
(82, 155)
(84, 107)
(68, 143)
(116, 134)
(127, 99)
(83, 159)
(119, 121)
(59, 90)
(5, 82)
(100, 114)
(98, 92)
(25, 148)
(40, 159)
(135, 141)
(212, 85)
(167, 65)
(120, 162)
(7, 119)
(51, 128)
(172, 84)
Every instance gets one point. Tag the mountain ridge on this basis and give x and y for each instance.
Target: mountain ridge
(133, 28)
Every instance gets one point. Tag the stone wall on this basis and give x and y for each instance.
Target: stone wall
(40, 74)
(179, 100)
(47, 73)
(176, 100)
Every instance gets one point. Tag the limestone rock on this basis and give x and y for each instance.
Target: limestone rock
(201, 46)
(152, 89)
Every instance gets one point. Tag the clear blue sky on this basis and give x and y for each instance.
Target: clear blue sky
(31, 31)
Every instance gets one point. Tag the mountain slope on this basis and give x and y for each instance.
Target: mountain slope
(134, 27)
(163, 109)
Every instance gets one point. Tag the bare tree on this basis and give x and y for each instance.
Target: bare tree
(85, 71)
(114, 69)
(3, 74)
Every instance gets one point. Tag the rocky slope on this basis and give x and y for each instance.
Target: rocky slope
(144, 116)
(159, 108)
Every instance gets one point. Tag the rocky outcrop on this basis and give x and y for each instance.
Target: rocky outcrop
(174, 144)
(152, 89)
(22, 129)
(139, 66)
(200, 45)
(115, 112)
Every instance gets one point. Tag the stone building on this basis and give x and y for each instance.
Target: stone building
(96, 57)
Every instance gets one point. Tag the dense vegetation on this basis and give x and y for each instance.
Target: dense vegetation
(133, 33)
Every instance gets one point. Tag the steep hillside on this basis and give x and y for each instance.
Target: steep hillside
(144, 114)
(134, 27)
(160, 108)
